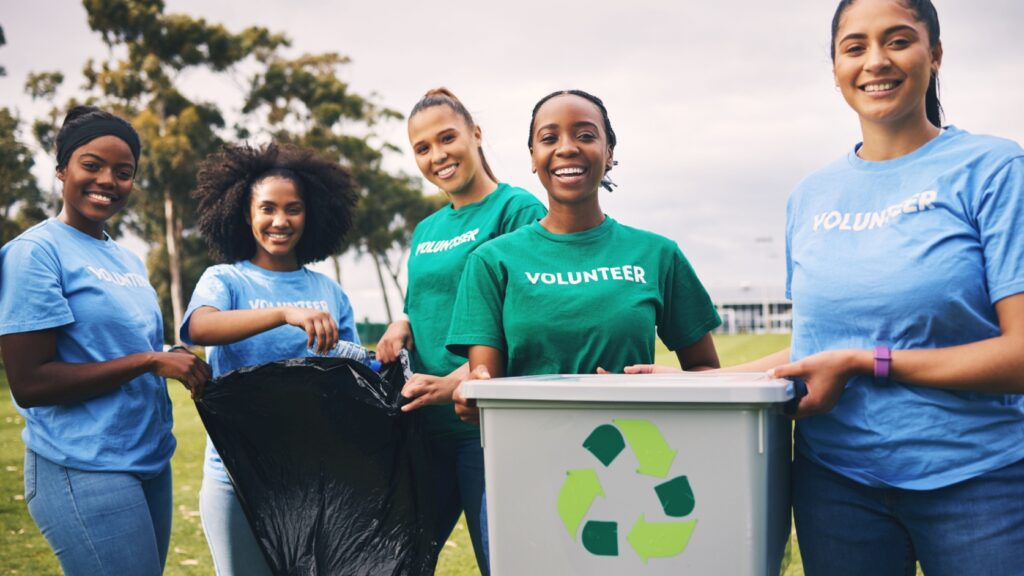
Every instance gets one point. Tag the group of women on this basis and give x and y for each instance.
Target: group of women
(905, 265)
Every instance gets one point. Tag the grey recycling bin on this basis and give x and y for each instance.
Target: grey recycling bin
(630, 475)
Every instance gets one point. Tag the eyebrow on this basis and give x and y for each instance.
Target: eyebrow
(888, 31)
(102, 159)
(576, 125)
(439, 133)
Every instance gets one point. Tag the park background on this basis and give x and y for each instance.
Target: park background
(720, 109)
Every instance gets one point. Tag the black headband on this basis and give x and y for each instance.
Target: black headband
(89, 131)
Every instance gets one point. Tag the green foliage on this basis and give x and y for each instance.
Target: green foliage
(20, 198)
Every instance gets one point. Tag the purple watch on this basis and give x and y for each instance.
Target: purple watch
(883, 363)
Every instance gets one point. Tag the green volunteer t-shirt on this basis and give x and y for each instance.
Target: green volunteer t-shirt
(568, 303)
(441, 244)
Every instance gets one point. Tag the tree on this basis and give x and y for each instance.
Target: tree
(20, 197)
(304, 101)
(176, 131)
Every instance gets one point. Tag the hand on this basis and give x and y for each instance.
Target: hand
(185, 367)
(466, 407)
(645, 369)
(825, 374)
(397, 336)
(320, 327)
(426, 389)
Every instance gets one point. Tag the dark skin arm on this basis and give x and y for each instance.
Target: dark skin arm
(37, 379)
(486, 362)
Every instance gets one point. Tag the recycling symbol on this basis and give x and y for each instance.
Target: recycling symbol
(583, 486)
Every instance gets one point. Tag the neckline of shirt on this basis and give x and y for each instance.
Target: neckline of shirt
(276, 274)
(105, 242)
(575, 237)
(895, 163)
(472, 207)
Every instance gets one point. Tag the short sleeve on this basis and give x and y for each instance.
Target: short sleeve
(347, 330)
(479, 305)
(687, 311)
(212, 290)
(1000, 220)
(31, 290)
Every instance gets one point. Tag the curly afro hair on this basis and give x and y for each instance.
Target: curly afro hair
(224, 192)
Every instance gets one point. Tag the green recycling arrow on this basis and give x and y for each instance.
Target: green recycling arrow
(659, 539)
(649, 445)
(580, 489)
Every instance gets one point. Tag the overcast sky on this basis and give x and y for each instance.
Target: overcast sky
(720, 107)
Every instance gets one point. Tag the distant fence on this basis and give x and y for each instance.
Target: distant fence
(758, 317)
(370, 332)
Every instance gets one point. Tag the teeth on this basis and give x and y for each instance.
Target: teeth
(447, 171)
(100, 197)
(880, 87)
(568, 171)
(279, 236)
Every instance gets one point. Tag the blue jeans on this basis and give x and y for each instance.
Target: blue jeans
(457, 475)
(847, 528)
(232, 543)
(100, 523)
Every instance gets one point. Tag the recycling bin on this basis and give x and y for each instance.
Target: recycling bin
(642, 474)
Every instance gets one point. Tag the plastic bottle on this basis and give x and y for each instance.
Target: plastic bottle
(345, 349)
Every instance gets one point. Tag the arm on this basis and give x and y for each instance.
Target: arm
(486, 361)
(209, 326)
(397, 336)
(994, 365)
(36, 379)
(701, 355)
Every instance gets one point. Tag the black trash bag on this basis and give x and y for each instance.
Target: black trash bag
(332, 476)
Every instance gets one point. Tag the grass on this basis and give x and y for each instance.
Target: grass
(24, 551)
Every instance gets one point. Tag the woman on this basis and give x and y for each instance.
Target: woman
(905, 269)
(267, 212)
(447, 144)
(909, 329)
(82, 341)
(577, 292)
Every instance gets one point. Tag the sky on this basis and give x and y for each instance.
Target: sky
(720, 108)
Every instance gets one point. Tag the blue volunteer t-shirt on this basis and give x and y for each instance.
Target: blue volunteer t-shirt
(911, 253)
(97, 296)
(245, 286)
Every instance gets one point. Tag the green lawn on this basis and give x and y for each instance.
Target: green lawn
(24, 551)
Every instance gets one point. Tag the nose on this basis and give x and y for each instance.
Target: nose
(105, 177)
(438, 155)
(280, 219)
(566, 147)
(877, 59)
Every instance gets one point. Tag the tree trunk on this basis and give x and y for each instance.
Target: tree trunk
(383, 287)
(336, 260)
(172, 228)
(394, 272)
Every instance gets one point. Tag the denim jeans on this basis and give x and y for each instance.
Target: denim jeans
(457, 472)
(846, 528)
(100, 523)
(232, 543)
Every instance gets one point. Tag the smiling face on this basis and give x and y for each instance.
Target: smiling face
(884, 62)
(97, 183)
(447, 150)
(570, 152)
(277, 216)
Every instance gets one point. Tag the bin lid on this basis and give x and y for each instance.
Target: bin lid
(688, 387)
